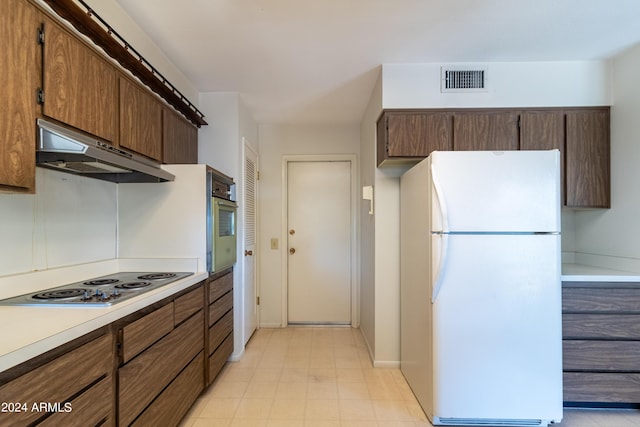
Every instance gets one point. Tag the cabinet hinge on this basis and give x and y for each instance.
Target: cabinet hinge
(40, 96)
(41, 34)
(257, 300)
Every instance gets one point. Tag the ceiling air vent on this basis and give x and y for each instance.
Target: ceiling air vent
(463, 79)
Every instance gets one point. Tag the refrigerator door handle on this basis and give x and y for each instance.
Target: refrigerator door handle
(442, 258)
(440, 200)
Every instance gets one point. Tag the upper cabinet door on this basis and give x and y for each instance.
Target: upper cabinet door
(588, 174)
(480, 131)
(179, 139)
(542, 130)
(405, 134)
(80, 88)
(140, 120)
(19, 79)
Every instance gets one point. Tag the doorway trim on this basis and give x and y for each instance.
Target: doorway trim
(354, 283)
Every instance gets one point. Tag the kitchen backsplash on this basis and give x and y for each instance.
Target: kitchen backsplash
(70, 220)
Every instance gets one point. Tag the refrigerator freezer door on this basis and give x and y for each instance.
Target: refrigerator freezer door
(506, 191)
(497, 329)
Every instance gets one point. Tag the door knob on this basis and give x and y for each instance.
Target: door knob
(248, 253)
(292, 251)
(292, 231)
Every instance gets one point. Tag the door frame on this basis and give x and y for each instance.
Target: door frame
(247, 147)
(355, 289)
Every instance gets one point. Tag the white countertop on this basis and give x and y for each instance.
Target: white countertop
(587, 273)
(30, 331)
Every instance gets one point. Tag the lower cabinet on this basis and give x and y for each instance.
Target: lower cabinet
(601, 343)
(161, 373)
(220, 322)
(62, 387)
(145, 369)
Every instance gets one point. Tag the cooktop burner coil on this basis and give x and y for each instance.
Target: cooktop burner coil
(157, 276)
(59, 294)
(101, 282)
(133, 285)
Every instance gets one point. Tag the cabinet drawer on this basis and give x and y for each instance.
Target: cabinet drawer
(166, 409)
(60, 379)
(143, 332)
(219, 331)
(142, 379)
(601, 387)
(88, 409)
(580, 355)
(601, 326)
(589, 300)
(188, 304)
(219, 357)
(220, 286)
(220, 307)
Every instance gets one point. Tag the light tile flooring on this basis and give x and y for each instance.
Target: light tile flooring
(317, 377)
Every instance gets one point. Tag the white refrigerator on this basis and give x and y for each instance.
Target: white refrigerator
(481, 327)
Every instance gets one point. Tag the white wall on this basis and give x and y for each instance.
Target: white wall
(367, 222)
(276, 141)
(523, 84)
(70, 220)
(111, 12)
(220, 145)
(610, 237)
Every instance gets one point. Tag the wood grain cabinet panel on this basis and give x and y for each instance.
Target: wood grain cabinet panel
(145, 331)
(19, 79)
(220, 322)
(220, 286)
(166, 410)
(62, 379)
(588, 175)
(601, 343)
(179, 139)
(494, 130)
(219, 357)
(84, 409)
(143, 378)
(140, 120)
(80, 87)
(188, 304)
(590, 299)
(542, 130)
(599, 387)
(403, 135)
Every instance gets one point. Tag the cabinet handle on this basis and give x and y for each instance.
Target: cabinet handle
(248, 253)
(292, 251)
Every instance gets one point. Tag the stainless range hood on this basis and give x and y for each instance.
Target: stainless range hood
(66, 150)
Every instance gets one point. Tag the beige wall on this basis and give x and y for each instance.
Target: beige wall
(276, 141)
(611, 237)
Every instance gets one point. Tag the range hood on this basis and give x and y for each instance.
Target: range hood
(66, 150)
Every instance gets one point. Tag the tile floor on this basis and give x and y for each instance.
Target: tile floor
(317, 377)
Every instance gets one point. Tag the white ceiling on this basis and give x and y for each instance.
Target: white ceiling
(303, 61)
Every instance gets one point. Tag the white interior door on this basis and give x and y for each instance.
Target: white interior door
(319, 242)
(250, 210)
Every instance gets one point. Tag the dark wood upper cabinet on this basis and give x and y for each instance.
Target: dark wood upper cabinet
(179, 139)
(140, 120)
(588, 174)
(19, 78)
(495, 130)
(413, 134)
(542, 130)
(80, 87)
